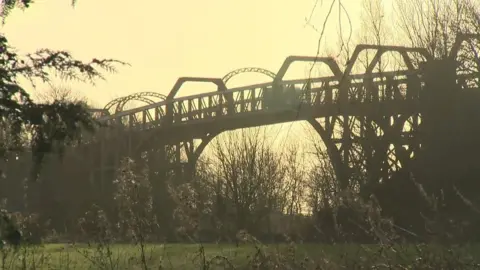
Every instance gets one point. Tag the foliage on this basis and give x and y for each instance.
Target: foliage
(134, 202)
(48, 124)
(43, 127)
(245, 185)
(8, 5)
(9, 234)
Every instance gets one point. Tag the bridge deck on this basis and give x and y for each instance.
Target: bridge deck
(386, 94)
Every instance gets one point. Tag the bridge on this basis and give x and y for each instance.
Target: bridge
(379, 117)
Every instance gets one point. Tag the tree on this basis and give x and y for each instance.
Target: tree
(60, 93)
(49, 126)
(58, 123)
(448, 167)
(250, 177)
(434, 25)
(244, 186)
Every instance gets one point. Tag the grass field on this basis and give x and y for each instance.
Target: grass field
(195, 256)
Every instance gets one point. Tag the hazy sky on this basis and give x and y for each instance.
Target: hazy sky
(164, 40)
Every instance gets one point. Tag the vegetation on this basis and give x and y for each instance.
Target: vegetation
(42, 127)
(45, 125)
(246, 205)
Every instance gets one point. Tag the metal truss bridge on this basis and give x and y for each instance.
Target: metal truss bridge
(375, 116)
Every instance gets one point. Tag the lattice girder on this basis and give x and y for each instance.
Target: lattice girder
(323, 94)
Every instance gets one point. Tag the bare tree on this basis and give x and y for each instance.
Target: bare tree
(241, 186)
(434, 24)
(60, 93)
(250, 177)
(322, 185)
(295, 185)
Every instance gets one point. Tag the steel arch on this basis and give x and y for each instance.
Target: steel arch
(236, 72)
(145, 97)
(122, 103)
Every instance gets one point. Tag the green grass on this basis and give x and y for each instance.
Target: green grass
(189, 256)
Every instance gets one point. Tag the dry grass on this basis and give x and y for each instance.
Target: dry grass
(245, 256)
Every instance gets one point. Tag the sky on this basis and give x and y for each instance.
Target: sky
(163, 40)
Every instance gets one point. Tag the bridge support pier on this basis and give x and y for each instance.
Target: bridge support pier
(190, 152)
(441, 101)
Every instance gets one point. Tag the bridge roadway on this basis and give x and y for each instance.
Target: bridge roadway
(194, 116)
(190, 117)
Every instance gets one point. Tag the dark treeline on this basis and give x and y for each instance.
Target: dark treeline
(244, 184)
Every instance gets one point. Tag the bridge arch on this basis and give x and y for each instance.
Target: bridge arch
(282, 91)
(182, 80)
(239, 71)
(194, 154)
(329, 61)
(332, 151)
(146, 97)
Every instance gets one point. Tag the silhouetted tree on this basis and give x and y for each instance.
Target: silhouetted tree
(440, 181)
(60, 93)
(49, 126)
(244, 185)
(249, 176)
(49, 123)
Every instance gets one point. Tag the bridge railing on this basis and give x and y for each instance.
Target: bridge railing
(254, 98)
(269, 97)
